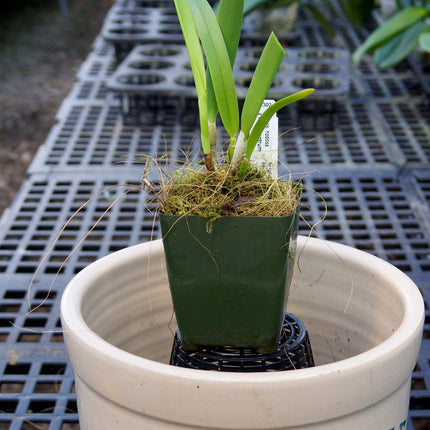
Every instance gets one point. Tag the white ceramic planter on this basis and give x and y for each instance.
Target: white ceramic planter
(365, 337)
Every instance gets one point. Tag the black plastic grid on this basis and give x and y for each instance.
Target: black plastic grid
(406, 123)
(367, 81)
(90, 90)
(392, 83)
(44, 207)
(126, 27)
(421, 69)
(100, 63)
(20, 326)
(422, 182)
(132, 23)
(360, 135)
(95, 137)
(354, 138)
(37, 382)
(311, 34)
(377, 211)
(294, 352)
(128, 24)
(399, 82)
(98, 66)
(92, 75)
(419, 400)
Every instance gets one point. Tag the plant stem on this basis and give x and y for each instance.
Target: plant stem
(209, 163)
(212, 141)
(239, 152)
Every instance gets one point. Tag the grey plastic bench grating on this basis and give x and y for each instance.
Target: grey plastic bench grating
(407, 126)
(379, 212)
(37, 381)
(129, 24)
(96, 137)
(44, 207)
(164, 69)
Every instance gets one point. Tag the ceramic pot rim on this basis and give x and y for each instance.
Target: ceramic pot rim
(373, 365)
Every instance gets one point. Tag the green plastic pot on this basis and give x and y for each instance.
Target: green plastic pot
(230, 279)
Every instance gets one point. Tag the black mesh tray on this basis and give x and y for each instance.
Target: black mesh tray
(294, 352)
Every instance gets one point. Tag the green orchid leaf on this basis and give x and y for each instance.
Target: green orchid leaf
(219, 65)
(212, 104)
(268, 113)
(192, 43)
(395, 25)
(195, 54)
(266, 69)
(204, 126)
(399, 47)
(229, 17)
(424, 41)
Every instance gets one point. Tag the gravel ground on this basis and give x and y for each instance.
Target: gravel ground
(40, 53)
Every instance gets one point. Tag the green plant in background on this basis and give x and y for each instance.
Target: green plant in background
(216, 39)
(394, 40)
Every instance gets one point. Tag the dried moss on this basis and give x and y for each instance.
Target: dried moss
(218, 193)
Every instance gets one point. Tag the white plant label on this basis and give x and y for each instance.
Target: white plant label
(266, 153)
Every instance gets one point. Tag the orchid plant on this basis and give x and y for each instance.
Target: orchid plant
(213, 39)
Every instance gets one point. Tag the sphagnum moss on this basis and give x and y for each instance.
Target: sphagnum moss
(218, 193)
